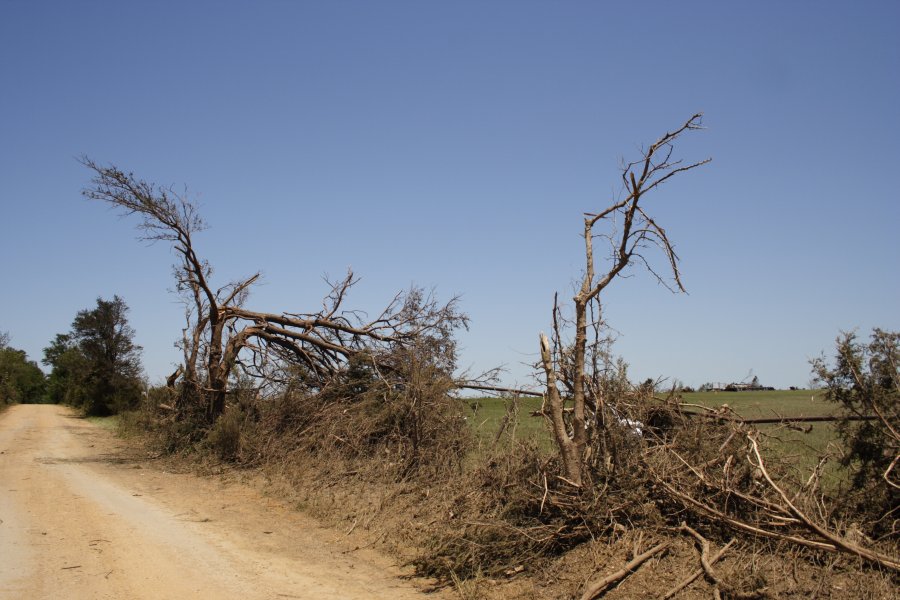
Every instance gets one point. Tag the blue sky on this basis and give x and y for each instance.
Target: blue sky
(456, 146)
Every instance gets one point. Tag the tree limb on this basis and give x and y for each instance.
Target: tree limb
(598, 588)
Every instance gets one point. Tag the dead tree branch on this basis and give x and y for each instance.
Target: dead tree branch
(219, 328)
(699, 572)
(599, 588)
(632, 231)
(707, 562)
(838, 542)
(498, 389)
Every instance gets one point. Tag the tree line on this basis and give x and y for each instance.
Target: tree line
(94, 367)
(21, 380)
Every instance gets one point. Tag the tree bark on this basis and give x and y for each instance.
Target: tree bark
(567, 449)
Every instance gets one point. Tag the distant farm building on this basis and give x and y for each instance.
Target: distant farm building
(753, 386)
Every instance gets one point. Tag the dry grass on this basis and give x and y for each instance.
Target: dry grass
(412, 472)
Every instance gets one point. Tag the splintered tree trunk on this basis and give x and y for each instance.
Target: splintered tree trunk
(568, 451)
(216, 401)
(632, 231)
(579, 432)
(216, 373)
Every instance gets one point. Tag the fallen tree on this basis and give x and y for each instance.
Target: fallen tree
(221, 334)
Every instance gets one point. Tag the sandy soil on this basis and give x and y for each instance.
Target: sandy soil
(80, 519)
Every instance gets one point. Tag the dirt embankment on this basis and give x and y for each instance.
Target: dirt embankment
(81, 519)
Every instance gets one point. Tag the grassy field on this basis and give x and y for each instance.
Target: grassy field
(486, 415)
(767, 404)
(488, 412)
(802, 447)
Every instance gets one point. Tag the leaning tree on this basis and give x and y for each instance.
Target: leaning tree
(221, 333)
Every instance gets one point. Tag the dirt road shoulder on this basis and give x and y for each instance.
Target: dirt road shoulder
(83, 517)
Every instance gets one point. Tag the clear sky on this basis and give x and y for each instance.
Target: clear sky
(455, 145)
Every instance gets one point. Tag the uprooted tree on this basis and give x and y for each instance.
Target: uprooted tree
(221, 334)
(578, 410)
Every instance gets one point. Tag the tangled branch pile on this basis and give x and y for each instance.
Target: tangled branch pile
(626, 460)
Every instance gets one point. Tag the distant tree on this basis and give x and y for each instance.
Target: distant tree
(865, 381)
(68, 379)
(21, 380)
(97, 365)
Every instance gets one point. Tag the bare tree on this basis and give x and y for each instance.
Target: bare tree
(631, 234)
(219, 330)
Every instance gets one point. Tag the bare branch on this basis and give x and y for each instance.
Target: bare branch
(219, 329)
(834, 539)
(638, 232)
(598, 588)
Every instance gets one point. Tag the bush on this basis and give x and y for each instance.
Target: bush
(224, 437)
(406, 420)
(865, 381)
(20, 379)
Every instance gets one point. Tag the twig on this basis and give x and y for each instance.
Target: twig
(711, 574)
(693, 576)
(503, 423)
(887, 473)
(597, 589)
(544, 499)
(738, 524)
(349, 531)
(372, 543)
(838, 542)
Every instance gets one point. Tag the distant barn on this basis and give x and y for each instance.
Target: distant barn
(753, 386)
(745, 387)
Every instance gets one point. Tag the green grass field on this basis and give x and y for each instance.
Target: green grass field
(802, 447)
(486, 415)
(767, 404)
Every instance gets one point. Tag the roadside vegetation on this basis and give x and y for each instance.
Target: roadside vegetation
(110, 423)
(96, 366)
(21, 380)
(599, 487)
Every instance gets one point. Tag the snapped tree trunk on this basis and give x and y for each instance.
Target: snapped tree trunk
(631, 232)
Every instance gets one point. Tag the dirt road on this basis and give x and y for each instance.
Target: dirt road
(78, 520)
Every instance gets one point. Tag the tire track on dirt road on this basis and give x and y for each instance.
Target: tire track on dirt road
(78, 522)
